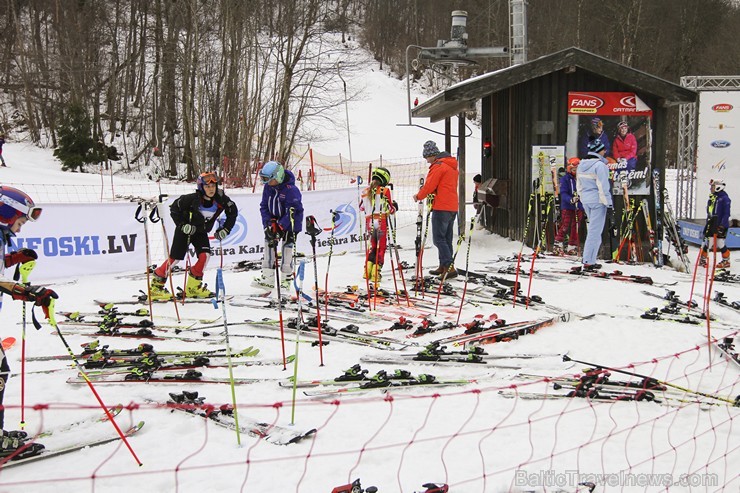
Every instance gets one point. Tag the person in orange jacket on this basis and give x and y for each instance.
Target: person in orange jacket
(442, 181)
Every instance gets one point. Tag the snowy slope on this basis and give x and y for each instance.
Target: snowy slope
(400, 443)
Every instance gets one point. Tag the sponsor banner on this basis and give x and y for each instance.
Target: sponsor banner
(545, 159)
(81, 239)
(717, 144)
(694, 233)
(602, 115)
(73, 240)
(247, 240)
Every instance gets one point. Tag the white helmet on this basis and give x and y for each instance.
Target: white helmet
(719, 185)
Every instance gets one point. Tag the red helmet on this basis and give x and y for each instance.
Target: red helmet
(572, 165)
(15, 204)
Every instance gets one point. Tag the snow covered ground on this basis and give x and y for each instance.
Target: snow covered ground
(468, 436)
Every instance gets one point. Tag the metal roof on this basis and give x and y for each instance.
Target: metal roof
(463, 95)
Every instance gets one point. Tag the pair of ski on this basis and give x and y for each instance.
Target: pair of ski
(421, 381)
(223, 416)
(503, 333)
(92, 348)
(187, 376)
(727, 349)
(80, 445)
(345, 336)
(616, 275)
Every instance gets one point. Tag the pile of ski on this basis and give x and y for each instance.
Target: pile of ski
(191, 403)
(672, 232)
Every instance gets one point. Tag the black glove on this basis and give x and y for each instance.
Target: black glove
(271, 236)
(222, 233)
(20, 257)
(39, 295)
(574, 199)
(721, 232)
(188, 229)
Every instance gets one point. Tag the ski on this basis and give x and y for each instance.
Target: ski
(651, 232)
(657, 192)
(616, 275)
(49, 453)
(190, 403)
(672, 233)
(188, 376)
(727, 349)
(721, 299)
(143, 299)
(421, 381)
(114, 411)
(355, 374)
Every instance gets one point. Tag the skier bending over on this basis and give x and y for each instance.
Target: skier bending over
(194, 215)
(16, 208)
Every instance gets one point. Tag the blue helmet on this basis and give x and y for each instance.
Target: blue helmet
(207, 178)
(15, 204)
(272, 170)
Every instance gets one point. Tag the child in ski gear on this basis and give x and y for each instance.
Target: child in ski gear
(377, 204)
(594, 192)
(16, 208)
(282, 218)
(442, 181)
(571, 211)
(194, 215)
(596, 133)
(625, 147)
(718, 222)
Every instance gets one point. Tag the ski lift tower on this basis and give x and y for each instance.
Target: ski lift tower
(444, 60)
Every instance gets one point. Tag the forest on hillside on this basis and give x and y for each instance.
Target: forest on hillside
(203, 81)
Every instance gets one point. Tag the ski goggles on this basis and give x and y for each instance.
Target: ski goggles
(32, 213)
(209, 178)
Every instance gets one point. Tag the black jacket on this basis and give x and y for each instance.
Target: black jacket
(185, 210)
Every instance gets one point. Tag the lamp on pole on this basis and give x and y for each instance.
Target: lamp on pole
(346, 111)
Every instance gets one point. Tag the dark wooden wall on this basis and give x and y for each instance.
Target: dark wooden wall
(510, 119)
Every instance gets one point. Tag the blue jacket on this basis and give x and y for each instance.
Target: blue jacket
(567, 190)
(592, 181)
(721, 208)
(277, 201)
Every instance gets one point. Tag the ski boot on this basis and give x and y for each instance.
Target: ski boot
(186, 397)
(14, 446)
(157, 290)
(558, 249)
(572, 250)
(195, 288)
(703, 259)
(724, 263)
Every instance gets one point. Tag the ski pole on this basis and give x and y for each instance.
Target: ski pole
(443, 277)
(392, 224)
(334, 216)
(312, 229)
(221, 290)
(81, 369)
(708, 294)
(298, 284)
(142, 219)
(532, 198)
(167, 254)
(467, 262)
(543, 235)
(23, 271)
(277, 286)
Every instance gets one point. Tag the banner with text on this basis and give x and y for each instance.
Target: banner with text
(73, 240)
(622, 122)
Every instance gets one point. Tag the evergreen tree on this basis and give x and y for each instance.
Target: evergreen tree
(76, 146)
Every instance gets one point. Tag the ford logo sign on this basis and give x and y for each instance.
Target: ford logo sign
(720, 144)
